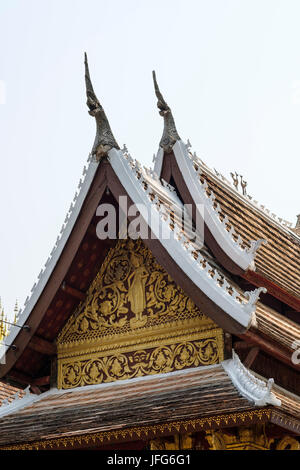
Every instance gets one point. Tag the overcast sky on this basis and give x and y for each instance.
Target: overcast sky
(229, 69)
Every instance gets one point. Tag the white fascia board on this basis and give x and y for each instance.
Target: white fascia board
(19, 403)
(71, 218)
(158, 162)
(255, 390)
(232, 249)
(242, 313)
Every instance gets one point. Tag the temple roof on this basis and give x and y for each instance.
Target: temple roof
(227, 389)
(194, 269)
(279, 259)
(206, 272)
(8, 393)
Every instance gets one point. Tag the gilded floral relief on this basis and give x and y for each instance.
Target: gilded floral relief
(135, 307)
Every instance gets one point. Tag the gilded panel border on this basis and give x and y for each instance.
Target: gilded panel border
(191, 349)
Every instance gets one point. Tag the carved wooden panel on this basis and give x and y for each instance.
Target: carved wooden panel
(135, 321)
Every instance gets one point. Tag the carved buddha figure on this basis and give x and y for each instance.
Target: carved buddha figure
(136, 290)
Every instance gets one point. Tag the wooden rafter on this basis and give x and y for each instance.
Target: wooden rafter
(251, 356)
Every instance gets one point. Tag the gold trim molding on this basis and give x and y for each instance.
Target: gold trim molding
(129, 363)
(145, 432)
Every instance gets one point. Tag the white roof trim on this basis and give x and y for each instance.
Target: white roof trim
(178, 248)
(242, 257)
(18, 403)
(279, 222)
(249, 386)
(75, 207)
(158, 161)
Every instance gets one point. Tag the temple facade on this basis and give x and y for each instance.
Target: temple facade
(166, 316)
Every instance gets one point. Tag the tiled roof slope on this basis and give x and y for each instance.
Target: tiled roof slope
(276, 326)
(7, 392)
(279, 259)
(142, 401)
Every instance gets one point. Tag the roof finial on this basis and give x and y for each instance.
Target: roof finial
(104, 140)
(170, 134)
(16, 312)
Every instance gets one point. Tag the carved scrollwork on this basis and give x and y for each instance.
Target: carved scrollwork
(158, 360)
(288, 443)
(135, 321)
(131, 291)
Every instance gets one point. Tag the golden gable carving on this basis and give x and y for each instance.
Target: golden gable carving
(135, 321)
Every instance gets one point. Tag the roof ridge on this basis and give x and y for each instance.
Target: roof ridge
(254, 244)
(282, 223)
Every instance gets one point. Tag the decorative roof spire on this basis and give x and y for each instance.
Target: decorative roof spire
(104, 140)
(16, 312)
(170, 134)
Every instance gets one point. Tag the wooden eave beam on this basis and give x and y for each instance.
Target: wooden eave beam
(242, 345)
(275, 350)
(42, 346)
(35, 389)
(260, 281)
(27, 380)
(20, 378)
(42, 380)
(251, 356)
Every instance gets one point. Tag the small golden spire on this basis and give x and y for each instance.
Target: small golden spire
(16, 312)
(2, 331)
(5, 327)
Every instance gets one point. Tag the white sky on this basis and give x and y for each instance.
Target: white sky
(229, 69)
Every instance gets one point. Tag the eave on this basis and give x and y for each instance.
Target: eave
(191, 394)
(258, 279)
